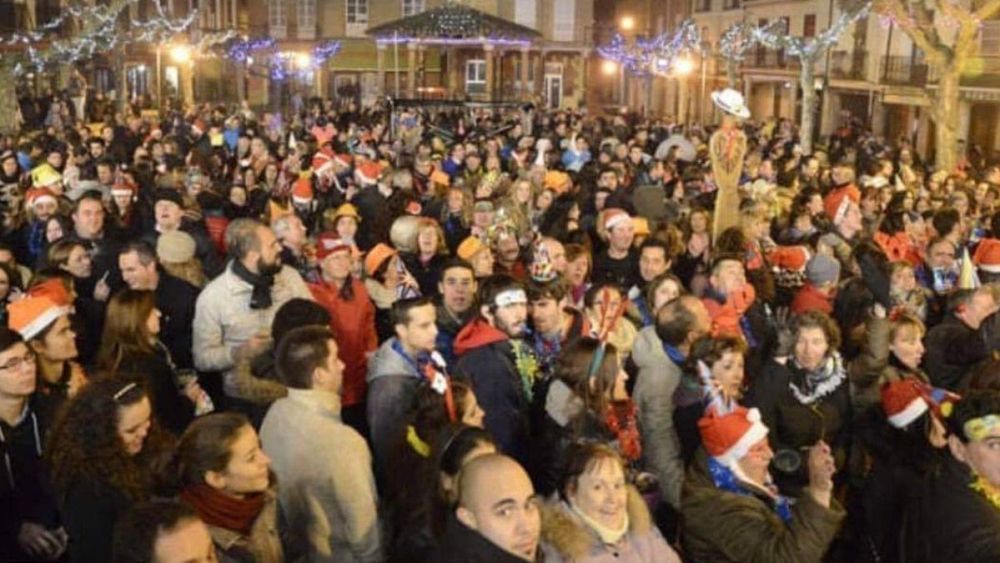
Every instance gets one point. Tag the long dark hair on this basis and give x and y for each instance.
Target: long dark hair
(125, 328)
(84, 445)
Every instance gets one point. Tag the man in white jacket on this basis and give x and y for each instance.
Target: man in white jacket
(327, 490)
(234, 312)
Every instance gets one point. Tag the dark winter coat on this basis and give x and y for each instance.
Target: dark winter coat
(723, 527)
(171, 409)
(175, 298)
(392, 388)
(953, 350)
(951, 521)
(89, 512)
(486, 358)
(796, 426)
(462, 544)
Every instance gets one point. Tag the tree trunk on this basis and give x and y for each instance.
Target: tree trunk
(121, 81)
(731, 76)
(946, 118)
(807, 80)
(8, 97)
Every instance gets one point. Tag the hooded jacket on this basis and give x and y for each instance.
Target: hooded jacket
(392, 386)
(487, 359)
(565, 537)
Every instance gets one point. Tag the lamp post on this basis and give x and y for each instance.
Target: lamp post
(181, 54)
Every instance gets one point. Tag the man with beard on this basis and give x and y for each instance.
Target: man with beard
(234, 312)
(501, 366)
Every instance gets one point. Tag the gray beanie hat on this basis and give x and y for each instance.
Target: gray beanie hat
(822, 269)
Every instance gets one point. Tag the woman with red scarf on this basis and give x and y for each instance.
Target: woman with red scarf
(220, 470)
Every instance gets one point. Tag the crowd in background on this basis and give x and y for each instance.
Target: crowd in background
(442, 333)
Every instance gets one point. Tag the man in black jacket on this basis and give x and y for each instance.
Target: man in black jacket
(497, 519)
(175, 298)
(956, 518)
(959, 343)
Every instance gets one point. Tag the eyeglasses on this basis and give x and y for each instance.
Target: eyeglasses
(16, 363)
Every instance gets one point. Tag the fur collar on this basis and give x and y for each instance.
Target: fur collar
(568, 535)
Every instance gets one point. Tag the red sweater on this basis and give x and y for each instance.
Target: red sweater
(353, 326)
(810, 298)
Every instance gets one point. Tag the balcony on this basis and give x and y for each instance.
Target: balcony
(772, 60)
(903, 71)
(849, 65)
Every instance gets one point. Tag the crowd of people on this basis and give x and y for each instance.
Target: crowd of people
(458, 334)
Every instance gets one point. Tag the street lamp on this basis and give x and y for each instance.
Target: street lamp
(682, 68)
(180, 54)
(609, 68)
(627, 23)
(303, 60)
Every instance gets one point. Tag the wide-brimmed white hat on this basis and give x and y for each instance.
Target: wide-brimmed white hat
(731, 102)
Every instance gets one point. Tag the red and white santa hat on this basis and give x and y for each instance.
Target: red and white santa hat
(39, 195)
(729, 437)
(615, 217)
(837, 202)
(33, 314)
(344, 160)
(328, 243)
(302, 191)
(123, 187)
(987, 257)
(368, 173)
(322, 160)
(903, 402)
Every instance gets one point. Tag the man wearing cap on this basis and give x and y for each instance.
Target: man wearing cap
(956, 516)
(175, 298)
(731, 509)
(42, 204)
(168, 215)
(502, 367)
(619, 264)
(352, 321)
(822, 275)
(370, 202)
(233, 314)
(476, 253)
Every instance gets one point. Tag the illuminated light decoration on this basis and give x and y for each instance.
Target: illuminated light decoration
(454, 24)
(282, 64)
(242, 49)
(609, 67)
(100, 32)
(655, 55)
(809, 48)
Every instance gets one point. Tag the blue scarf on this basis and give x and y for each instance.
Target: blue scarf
(674, 354)
(726, 480)
(422, 359)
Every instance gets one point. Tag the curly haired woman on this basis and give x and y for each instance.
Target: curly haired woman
(100, 453)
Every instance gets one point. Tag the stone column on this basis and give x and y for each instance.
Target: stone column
(523, 76)
(489, 54)
(380, 68)
(411, 70)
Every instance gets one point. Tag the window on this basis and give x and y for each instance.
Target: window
(412, 7)
(307, 19)
(703, 5)
(809, 26)
(357, 17)
(526, 13)
(475, 76)
(989, 39)
(563, 20)
(276, 18)
(730, 4)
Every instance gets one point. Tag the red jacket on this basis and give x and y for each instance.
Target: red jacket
(726, 316)
(810, 298)
(353, 326)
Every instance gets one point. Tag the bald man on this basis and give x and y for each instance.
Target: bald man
(497, 519)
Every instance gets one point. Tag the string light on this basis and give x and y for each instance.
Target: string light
(658, 54)
(451, 24)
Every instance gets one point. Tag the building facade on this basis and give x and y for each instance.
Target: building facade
(874, 73)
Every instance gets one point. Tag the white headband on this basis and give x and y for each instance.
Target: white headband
(511, 297)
